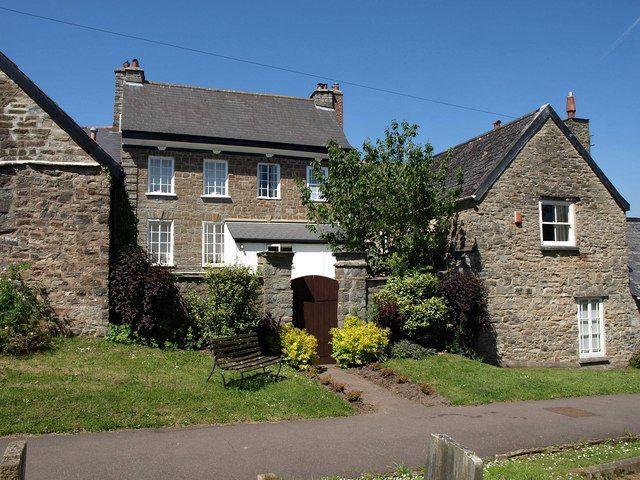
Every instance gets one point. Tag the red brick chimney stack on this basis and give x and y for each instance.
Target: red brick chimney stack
(571, 106)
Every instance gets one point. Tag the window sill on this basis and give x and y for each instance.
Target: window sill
(560, 248)
(593, 360)
(213, 265)
(269, 198)
(160, 195)
(215, 196)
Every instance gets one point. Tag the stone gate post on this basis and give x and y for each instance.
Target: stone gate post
(351, 274)
(277, 296)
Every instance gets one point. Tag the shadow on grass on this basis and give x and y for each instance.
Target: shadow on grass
(253, 382)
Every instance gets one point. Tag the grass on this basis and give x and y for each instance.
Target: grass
(557, 466)
(540, 466)
(471, 382)
(92, 384)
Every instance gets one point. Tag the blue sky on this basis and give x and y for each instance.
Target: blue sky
(503, 56)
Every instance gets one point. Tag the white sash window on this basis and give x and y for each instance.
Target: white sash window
(160, 241)
(591, 327)
(212, 243)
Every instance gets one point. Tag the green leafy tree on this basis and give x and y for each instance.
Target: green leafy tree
(390, 201)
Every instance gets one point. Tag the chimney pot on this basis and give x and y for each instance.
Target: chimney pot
(135, 63)
(571, 106)
(93, 133)
(126, 64)
(336, 86)
(497, 124)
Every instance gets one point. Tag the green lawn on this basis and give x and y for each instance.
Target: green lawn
(557, 466)
(542, 466)
(471, 382)
(92, 384)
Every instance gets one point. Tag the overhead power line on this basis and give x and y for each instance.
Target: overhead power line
(254, 63)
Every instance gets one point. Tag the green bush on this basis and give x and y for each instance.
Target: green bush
(298, 346)
(413, 305)
(408, 349)
(634, 361)
(229, 307)
(26, 321)
(358, 343)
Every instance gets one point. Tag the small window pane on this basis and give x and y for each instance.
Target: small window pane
(548, 233)
(268, 180)
(548, 213)
(562, 213)
(562, 233)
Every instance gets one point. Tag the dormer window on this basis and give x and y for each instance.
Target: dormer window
(557, 223)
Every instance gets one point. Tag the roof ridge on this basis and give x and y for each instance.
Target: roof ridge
(222, 90)
(489, 132)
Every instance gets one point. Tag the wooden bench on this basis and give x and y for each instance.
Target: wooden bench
(240, 353)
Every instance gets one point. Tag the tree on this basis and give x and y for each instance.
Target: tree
(390, 201)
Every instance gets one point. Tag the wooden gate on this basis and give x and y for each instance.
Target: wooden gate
(315, 307)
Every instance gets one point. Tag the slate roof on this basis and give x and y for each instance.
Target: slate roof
(60, 117)
(110, 140)
(228, 115)
(483, 159)
(272, 232)
(633, 238)
(479, 156)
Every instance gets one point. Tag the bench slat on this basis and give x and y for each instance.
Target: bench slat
(259, 363)
(223, 360)
(235, 351)
(226, 341)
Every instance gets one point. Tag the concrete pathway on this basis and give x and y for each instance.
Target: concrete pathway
(309, 449)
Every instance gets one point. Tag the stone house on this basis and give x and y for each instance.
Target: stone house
(546, 230)
(55, 198)
(211, 173)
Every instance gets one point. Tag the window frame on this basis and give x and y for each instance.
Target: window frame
(204, 178)
(204, 262)
(173, 175)
(325, 172)
(591, 353)
(170, 263)
(571, 242)
(269, 165)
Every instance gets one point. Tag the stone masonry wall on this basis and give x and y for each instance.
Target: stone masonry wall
(55, 217)
(532, 293)
(276, 296)
(188, 210)
(351, 274)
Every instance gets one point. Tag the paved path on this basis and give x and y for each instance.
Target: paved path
(308, 449)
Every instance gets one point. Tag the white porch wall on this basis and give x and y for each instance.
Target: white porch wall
(308, 258)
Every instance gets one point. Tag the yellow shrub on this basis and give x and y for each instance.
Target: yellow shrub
(357, 342)
(298, 346)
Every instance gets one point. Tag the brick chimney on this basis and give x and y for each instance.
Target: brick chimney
(578, 126)
(130, 72)
(331, 99)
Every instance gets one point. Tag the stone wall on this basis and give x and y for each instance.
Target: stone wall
(58, 222)
(188, 209)
(54, 211)
(351, 274)
(276, 296)
(532, 293)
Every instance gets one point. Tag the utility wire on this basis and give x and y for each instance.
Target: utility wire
(251, 62)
